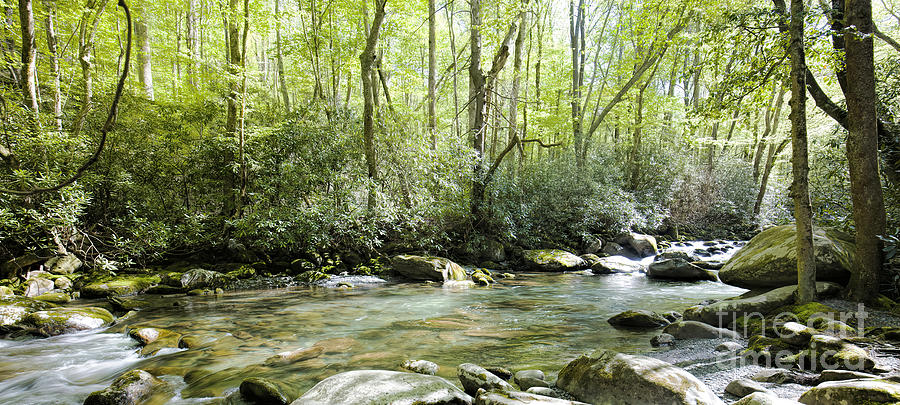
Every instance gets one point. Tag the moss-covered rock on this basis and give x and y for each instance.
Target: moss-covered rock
(474, 377)
(54, 297)
(263, 391)
(482, 277)
(153, 339)
(201, 278)
(427, 268)
(608, 377)
(770, 258)
(122, 285)
(551, 260)
(57, 321)
(755, 304)
(6, 291)
(862, 392)
(66, 264)
(13, 310)
(38, 285)
(679, 269)
(132, 388)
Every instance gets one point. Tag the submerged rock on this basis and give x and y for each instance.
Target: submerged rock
(153, 340)
(427, 268)
(639, 318)
(132, 388)
(547, 260)
(474, 377)
(853, 392)
(364, 387)
(770, 258)
(609, 377)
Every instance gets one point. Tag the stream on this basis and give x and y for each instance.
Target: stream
(532, 321)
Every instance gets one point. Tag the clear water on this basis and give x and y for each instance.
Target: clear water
(533, 321)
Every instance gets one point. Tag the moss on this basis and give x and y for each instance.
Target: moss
(54, 297)
(312, 276)
(806, 311)
(241, 273)
(124, 285)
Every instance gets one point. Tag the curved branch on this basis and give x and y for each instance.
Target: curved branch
(107, 126)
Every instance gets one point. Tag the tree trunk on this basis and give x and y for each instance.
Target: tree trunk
(778, 99)
(449, 12)
(192, 43)
(576, 45)
(432, 72)
(773, 152)
(29, 56)
(87, 31)
(54, 63)
(806, 264)
(862, 150)
(233, 54)
(145, 72)
(282, 83)
(366, 59)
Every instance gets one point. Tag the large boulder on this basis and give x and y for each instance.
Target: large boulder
(13, 310)
(639, 318)
(363, 387)
(770, 258)
(132, 388)
(552, 260)
(853, 392)
(643, 245)
(608, 377)
(57, 321)
(474, 377)
(679, 269)
(699, 330)
(616, 264)
(201, 278)
(428, 268)
(67, 264)
(726, 312)
(37, 286)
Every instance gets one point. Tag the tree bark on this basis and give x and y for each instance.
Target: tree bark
(233, 55)
(282, 82)
(576, 46)
(87, 31)
(366, 59)
(192, 42)
(432, 72)
(145, 72)
(773, 152)
(862, 150)
(806, 265)
(29, 56)
(54, 63)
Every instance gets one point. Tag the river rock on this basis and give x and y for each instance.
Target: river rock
(429, 268)
(770, 258)
(639, 318)
(643, 245)
(262, 391)
(526, 379)
(501, 372)
(201, 278)
(6, 291)
(590, 259)
(725, 312)
(592, 245)
(421, 366)
(552, 260)
(153, 340)
(612, 249)
(13, 310)
(608, 377)
(484, 397)
(853, 392)
(764, 398)
(57, 321)
(796, 334)
(743, 387)
(295, 356)
(616, 264)
(67, 264)
(364, 387)
(699, 330)
(63, 283)
(123, 285)
(679, 269)
(663, 339)
(843, 375)
(54, 297)
(474, 377)
(729, 347)
(37, 286)
(132, 388)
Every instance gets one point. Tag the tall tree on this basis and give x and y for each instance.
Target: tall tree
(862, 149)
(29, 56)
(366, 61)
(87, 33)
(234, 60)
(576, 46)
(55, 73)
(145, 72)
(432, 71)
(282, 81)
(806, 264)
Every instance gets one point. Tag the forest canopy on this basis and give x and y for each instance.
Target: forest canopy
(285, 128)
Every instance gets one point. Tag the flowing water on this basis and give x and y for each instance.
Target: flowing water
(533, 321)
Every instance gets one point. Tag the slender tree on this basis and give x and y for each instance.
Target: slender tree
(432, 72)
(29, 57)
(366, 61)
